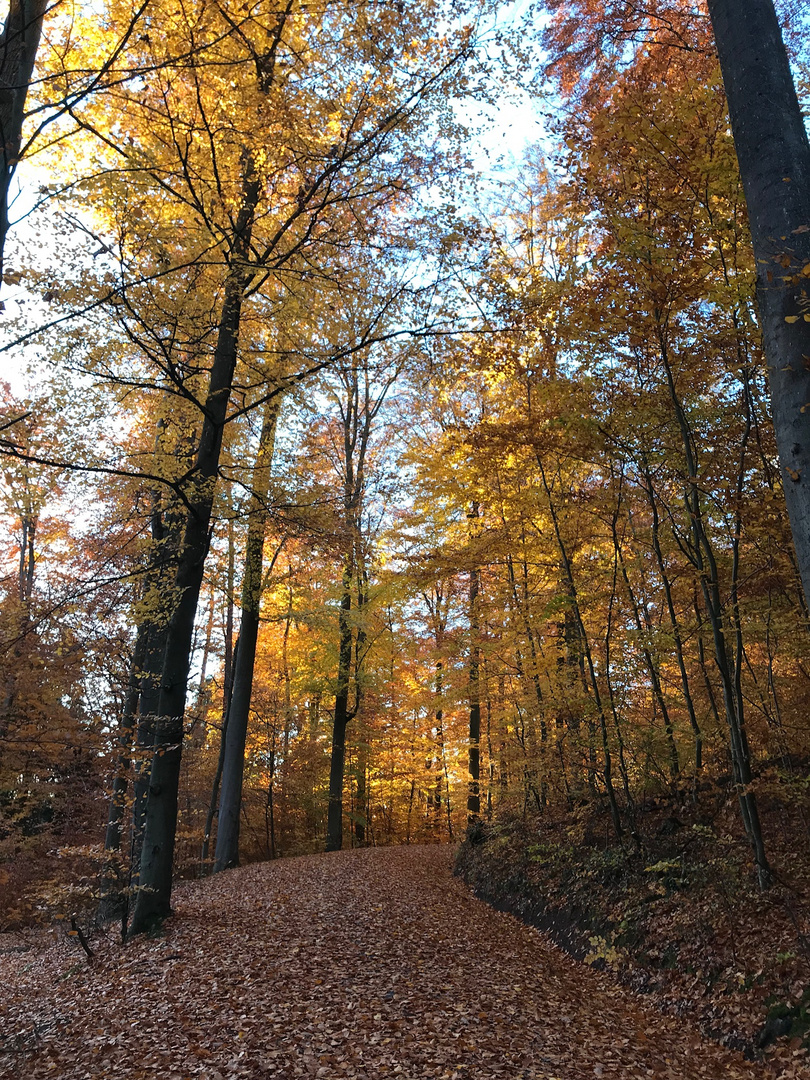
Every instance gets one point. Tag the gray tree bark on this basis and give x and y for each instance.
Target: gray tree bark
(19, 42)
(153, 900)
(774, 156)
(235, 733)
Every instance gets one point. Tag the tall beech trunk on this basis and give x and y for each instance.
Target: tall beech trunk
(150, 644)
(474, 685)
(774, 156)
(438, 761)
(148, 706)
(490, 754)
(342, 717)
(361, 807)
(614, 709)
(228, 657)
(213, 801)
(474, 682)
(350, 654)
(19, 42)
(235, 735)
(153, 902)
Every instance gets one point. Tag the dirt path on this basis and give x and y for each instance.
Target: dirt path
(367, 964)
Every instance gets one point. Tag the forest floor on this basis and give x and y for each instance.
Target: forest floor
(366, 964)
(679, 917)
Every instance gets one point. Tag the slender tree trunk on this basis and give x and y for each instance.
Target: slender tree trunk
(774, 156)
(113, 881)
(649, 659)
(213, 800)
(444, 775)
(520, 603)
(503, 766)
(270, 801)
(474, 760)
(607, 761)
(153, 901)
(230, 578)
(358, 412)
(673, 618)
(202, 697)
(490, 755)
(334, 819)
(703, 558)
(230, 802)
(361, 809)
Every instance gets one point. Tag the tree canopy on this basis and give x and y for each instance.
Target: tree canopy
(364, 493)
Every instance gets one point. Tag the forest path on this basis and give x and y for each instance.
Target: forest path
(366, 964)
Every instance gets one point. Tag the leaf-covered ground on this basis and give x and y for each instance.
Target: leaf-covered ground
(364, 964)
(682, 921)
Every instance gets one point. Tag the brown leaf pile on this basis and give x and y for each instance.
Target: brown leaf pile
(363, 964)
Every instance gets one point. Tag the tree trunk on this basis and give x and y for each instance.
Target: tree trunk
(334, 820)
(673, 618)
(155, 883)
(166, 536)
(643, 632)
(112, 840)
(474, 789)
(702, 556)
(774, 157)
(19, 42)
(212, 802)
(230, 802)
(358, 411)
(112, 901)
(607, 761)
(228, 657)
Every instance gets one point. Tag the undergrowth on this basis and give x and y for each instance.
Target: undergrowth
(676, 915)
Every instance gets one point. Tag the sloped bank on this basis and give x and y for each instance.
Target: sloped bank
(679, 922)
